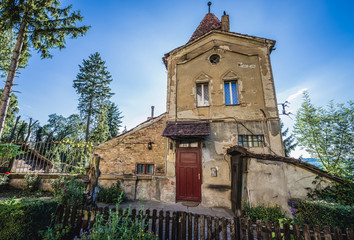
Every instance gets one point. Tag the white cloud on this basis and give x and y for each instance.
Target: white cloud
(295, 95)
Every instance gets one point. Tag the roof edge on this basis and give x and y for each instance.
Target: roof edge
(297, 162)
(250, 37)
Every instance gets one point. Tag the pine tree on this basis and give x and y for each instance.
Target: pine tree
(40, 25)
(114, 118)
(288, 141)
(92, 85)
(100, 132)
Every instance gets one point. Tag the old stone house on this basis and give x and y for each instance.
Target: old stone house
(219, 141)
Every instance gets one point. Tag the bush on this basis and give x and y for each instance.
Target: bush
(264, 212)
(119, 226)
(323, 213)
(111, 194)
(24, 218)
(32, 182)
(4, 179)
(341, 193)
(68, 191)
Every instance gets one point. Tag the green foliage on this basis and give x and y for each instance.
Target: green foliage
(92, 86)
(323, 213)
(288, 141)
(4, 179)
(10, 116)
(68, 191)
(9, 150)
(119, 226)
(69, 156)
(58, 232)
(114, 118)
(7, 45)
(46, 24)
(264, 212)
(328, 135)
(60, 128)
(24, 218)
(32, 182)
(112, 194)
(341, 193)
(100, 132)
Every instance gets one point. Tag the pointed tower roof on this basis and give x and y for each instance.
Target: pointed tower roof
(209, 22)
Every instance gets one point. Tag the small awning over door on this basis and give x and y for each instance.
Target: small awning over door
(195, 129)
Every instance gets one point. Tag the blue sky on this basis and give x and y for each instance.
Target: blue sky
(314, 51)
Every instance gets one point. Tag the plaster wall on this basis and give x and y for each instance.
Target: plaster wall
(244, 60)
(270, 181)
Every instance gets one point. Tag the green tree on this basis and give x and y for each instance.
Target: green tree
(7, 45)
(328, 134)
(59, 128)
(10, 117)
(92, 85)
(114, 118)
(288, 141)
(100, 131)
(40, 25)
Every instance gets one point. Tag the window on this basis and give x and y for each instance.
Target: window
(214, 59)
(202, 95)
(230, 93)
(147, 169)
(250, 140)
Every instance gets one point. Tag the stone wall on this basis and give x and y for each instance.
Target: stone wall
(120, 155)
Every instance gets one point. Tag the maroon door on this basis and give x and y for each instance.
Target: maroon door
(188, 174)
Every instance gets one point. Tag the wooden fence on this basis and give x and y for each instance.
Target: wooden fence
(183, 225)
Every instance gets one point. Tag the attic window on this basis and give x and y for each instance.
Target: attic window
(214, 59)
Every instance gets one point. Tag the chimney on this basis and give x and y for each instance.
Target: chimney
(152, 113)
(225, 23)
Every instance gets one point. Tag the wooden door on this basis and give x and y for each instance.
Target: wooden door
(188, 174)
(236, 184)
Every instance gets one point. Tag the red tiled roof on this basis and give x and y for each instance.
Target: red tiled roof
(209, 22)
(187, 129)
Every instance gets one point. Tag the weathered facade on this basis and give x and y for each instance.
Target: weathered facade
(220, 94)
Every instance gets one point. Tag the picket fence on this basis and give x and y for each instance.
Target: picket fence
(183, 225)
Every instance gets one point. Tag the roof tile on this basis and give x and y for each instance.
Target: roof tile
(209, 22)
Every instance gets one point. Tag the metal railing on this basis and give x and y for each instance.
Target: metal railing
(49, 157)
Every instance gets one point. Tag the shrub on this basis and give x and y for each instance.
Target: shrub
(32, 182)
(68, 191)
(264, 212)
(341, 193)
(4, 179)
(111, 194)
(24, 218)
(323, 213)
(118, 226)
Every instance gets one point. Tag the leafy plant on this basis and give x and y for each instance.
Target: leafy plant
(32, 182)
(111, 194)
(4, 179)
(58, 232)
(328, 134)
(68, 191)
(118, 226)
(323, 213)
(341, 193)
(24, 218)
(264, 212)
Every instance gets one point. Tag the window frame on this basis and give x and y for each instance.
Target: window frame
(251, 141)
(145, 164)
(202, 84)
(229, 82)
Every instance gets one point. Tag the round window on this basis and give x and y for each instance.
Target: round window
(214, 59)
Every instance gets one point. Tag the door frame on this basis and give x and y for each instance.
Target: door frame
(199, 150)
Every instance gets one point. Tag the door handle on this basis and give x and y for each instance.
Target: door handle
(198, 176)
